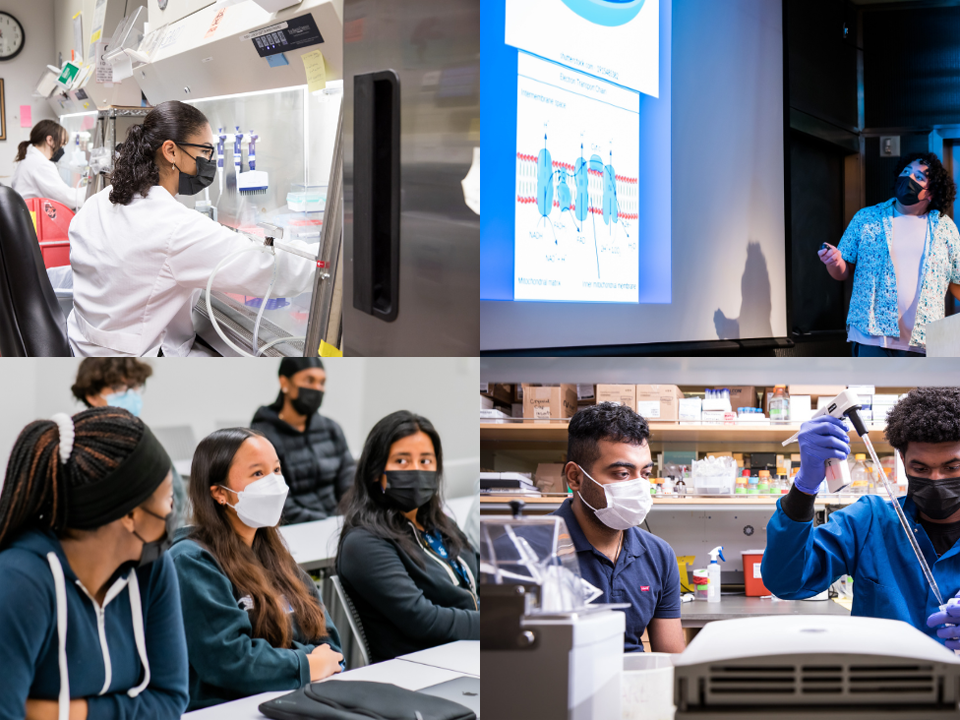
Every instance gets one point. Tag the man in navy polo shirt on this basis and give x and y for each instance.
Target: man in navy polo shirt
(608, 469)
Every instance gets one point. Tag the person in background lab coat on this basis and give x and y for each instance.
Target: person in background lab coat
(140, 259)
(35, 176)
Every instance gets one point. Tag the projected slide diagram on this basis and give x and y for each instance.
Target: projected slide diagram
(576, 186)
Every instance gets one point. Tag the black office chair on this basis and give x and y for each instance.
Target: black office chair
(31, 322)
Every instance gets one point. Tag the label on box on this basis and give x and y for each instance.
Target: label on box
(756, 571)
(484, 387)
(648, 408)
(541, 412)
(584, 392)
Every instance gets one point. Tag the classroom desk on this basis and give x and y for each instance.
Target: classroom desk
(314, 544)
(699, 612)
(405, 674)
(462, 656)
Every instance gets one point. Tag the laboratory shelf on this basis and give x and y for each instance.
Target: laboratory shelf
(532, 431)
(545, 504)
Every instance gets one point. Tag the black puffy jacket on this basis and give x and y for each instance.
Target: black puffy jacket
(316, 464)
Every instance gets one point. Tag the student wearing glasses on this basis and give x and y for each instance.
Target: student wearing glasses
(140, 259)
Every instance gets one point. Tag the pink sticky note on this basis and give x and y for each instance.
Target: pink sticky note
(26, 116)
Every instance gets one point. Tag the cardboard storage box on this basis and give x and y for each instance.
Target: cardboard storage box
(549, 478)
(501, 394)
(486, 403)
(551, 401)
(743, 396)
(622, 394)
(659, 402)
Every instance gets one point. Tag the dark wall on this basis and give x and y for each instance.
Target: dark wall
(911, 67)
(822, 64)
(816, 202)
(821, 83)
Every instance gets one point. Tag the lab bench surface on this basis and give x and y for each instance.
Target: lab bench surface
(699, 612)
(404, 673)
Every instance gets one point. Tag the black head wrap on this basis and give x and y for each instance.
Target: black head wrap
(124, 488)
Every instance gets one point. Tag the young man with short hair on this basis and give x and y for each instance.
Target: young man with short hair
(865, 540)
(608, 469)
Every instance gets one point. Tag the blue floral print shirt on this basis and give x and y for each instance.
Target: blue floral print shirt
(866, 243)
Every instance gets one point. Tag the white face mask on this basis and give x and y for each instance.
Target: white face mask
(260, 503)
(628, 502)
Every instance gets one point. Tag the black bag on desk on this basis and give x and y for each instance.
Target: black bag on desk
(361, 700)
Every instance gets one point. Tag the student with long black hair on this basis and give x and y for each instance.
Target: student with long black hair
(90, 620)
(408, 568)
(140, 258)
(254, 619)
(36, 175)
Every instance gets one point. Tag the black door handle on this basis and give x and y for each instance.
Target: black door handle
(376, 194)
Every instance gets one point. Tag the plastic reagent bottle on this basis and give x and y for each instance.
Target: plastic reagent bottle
(780, 404)
(713, 573)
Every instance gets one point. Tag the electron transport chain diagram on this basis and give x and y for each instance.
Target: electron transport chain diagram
(575, 216)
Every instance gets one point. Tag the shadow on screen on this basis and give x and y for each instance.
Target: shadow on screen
(755, 303)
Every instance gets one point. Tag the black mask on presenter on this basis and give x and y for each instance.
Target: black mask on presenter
(908, 190)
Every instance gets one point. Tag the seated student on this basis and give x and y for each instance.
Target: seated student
(608, 470)
(119, 382)
(90, 621)
(865, 540)
(405, 565)
(313, 452)
(254, 619)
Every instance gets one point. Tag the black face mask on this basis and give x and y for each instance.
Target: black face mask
(907, 190)
(411, 489)
(153, 550)
(308, 401)
(58, 153)
(192, 184)
(937, 499)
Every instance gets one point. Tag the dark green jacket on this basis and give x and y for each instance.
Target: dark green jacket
(226, 662)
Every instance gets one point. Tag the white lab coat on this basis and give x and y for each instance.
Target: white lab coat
(36, 177)
(138, 270)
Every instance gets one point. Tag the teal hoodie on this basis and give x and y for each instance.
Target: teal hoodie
(124, 674)
(226, 661)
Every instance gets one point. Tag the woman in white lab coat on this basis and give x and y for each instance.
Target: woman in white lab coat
(140, 258)
(35, 176)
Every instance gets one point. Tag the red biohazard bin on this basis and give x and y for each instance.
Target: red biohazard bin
(751, 573)
(52, 222)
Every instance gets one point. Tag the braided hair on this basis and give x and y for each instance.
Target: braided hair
(34, 489)
(136, 170)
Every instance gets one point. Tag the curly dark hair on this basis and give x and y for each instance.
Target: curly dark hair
(136, 170)
(606, 421)
(926, 414)
(942, 188)
(97, 373)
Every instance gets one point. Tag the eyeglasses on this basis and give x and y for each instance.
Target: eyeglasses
(207, 149)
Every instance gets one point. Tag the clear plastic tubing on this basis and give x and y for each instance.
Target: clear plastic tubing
(903, 520)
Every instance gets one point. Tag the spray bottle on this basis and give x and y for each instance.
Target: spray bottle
(713, 573)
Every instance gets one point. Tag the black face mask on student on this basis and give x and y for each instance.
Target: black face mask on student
(192, 184)
(154, 549)
(907, 190)
(58, 153)
(308, 401)
(411, 489)
(937, 499)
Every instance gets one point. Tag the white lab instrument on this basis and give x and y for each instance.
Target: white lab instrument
(824, 666)
(252, 182)
(548, 653)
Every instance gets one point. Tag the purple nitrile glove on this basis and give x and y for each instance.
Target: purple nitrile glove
(820, 439)
(949, 614)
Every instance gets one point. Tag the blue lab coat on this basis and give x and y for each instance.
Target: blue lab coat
(864, 540)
